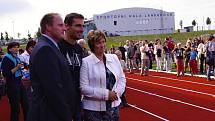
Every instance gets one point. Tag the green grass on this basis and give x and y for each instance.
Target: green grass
(178, 37)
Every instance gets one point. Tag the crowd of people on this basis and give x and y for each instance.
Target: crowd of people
(57, 79)
(194, 57)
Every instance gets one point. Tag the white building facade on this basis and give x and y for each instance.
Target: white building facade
(135, 21)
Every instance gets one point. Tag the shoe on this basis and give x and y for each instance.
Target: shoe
(141, 74)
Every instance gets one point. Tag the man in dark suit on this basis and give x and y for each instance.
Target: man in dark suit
(53, 92)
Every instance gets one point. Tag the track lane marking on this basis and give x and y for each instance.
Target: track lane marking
(181, 80)
(148, 112)
(174, 100)
(184, 81)
(188, 90)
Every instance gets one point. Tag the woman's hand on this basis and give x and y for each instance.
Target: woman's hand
(18, 66)
(112, 96)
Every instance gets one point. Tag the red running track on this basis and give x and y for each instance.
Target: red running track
(161, 97)
(166, 97)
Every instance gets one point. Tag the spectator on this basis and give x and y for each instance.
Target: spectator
(21, 51)
(167, 51)
(112, 49)
(131, 56)
(102, 81)
(11, 69)
(179, 51)
(122, 49)
(74, 53)
(193, 61)
(201, 55)
(158, 53)
(24, 58)
(210, 58)
(145, 62)
(187, 55)
(82, 43)
(124, 102)
(171, 45)
(53, 90)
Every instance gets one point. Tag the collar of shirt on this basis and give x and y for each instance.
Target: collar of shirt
(55, 43)
(25, 53)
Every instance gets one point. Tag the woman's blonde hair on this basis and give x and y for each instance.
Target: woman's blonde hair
(93, 37)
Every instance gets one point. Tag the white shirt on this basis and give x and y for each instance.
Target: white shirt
(24, 57)
(93, 81)
(201, 48)
(143, 50)
(55, 43)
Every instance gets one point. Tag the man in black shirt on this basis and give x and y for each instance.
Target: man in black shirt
(72, 51)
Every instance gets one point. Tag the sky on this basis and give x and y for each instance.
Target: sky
(23, 16)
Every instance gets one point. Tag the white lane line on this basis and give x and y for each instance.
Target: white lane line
(188, 90)
(181, 80)
(184, 81)
(148, 112)
(174, 100)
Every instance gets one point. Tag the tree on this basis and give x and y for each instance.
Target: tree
(208, 22)
(38, 34)
(194, 24)
(181, 23)
(29, 36)
(18, 35)
(2, 38)
(6, 36)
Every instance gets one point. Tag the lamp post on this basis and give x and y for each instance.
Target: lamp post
(13, 28)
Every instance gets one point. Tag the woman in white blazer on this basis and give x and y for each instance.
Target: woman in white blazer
(102, 81)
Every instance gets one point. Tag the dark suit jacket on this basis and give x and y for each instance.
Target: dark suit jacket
(53, 92)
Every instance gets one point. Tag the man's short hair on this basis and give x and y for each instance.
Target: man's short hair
(211, 37)
(47, 20)
(70, 18)
(30, 43)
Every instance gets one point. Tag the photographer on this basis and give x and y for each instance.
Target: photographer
(11, 69)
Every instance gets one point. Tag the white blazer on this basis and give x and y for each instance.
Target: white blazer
(93, 81)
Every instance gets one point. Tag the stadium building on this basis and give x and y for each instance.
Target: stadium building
(135, 21)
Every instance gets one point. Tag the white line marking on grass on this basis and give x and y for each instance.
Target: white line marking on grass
(188, 90)
(148, 112)
(174, 100)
